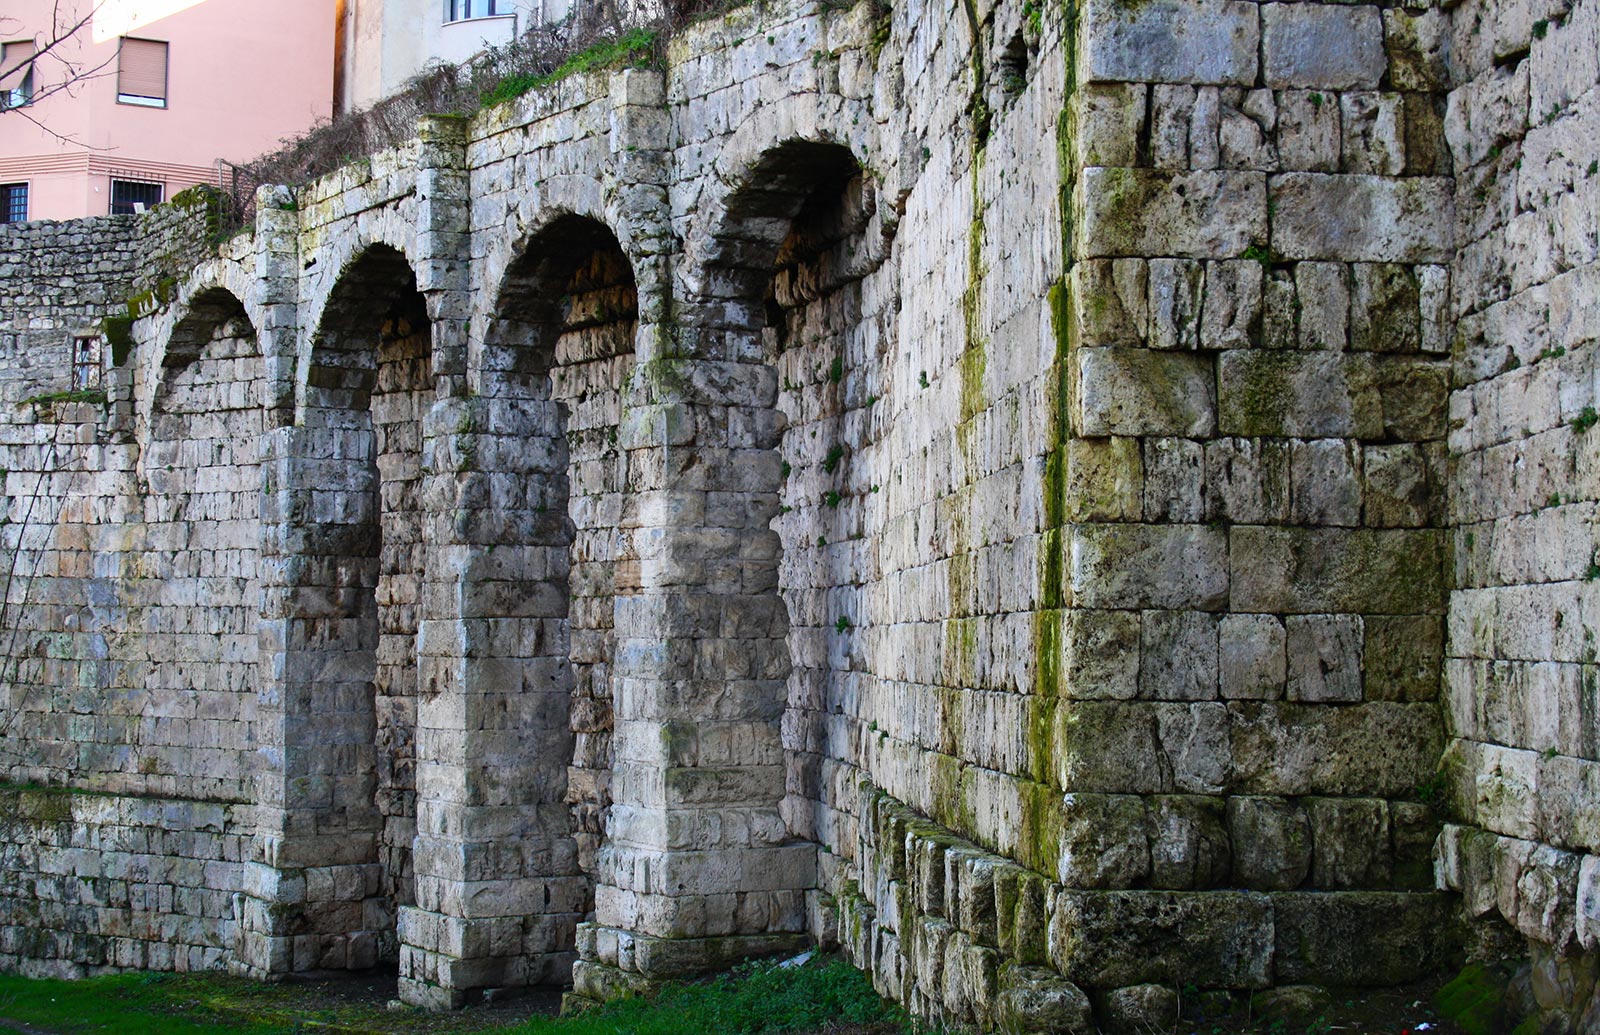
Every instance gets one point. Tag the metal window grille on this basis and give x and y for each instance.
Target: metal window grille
(130, 196)
(88, 369)
(142, 72)
(13, 202)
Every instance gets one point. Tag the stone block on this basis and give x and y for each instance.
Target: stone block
(1297, 394)
(1111, 117)
(1415, 395)
(1138, 392)
(1177, 287)
(1107, 747)
(1326, 47)
(1038, 1001)
(1198, 215)
(1247, 480)
(1189, 847)
(1171, 41)
(1402, 656)
(1174, 480)
(1308, 131)
(1324, 653)
(1179, 567)
(1374, 133)
(1102, 654)
(1111, 304)
(1398, 489)
(1357, 218)
(1271, 841)
(1336, 570)
(1325, 482)
(1105, 841)
(1363, 938)
(1418, 43)
(1104, 481)
(1178, 656)
(1139, 1009)
(1385, 308)
(1379, 749)
(1213, 939)
(1322, 290)
(1231, 315)
(1351, 841)
(1195, 745)
(1252, 658)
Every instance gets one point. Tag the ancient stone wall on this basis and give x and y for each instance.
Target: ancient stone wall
(130, 604)
(970, 483)
(1520, 681)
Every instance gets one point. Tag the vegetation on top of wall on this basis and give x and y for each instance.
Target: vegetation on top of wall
(636, 47)
(543, 55)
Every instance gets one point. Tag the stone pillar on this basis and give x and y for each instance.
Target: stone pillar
(277, 288)
(698, 870)
(311, 884)
(498, 890)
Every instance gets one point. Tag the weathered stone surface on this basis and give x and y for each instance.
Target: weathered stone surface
(1272, 840)
(1316, 46)
(1145, 392)
(1142, 1008)
(1201, 215)
(1357, 218)
(1181, 41)
(1037, 1001)
(1334, 939)
(1121, 938)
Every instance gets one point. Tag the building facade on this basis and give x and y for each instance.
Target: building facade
(383, 43)
(139, 101)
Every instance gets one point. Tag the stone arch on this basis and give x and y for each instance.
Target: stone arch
(561, 345)
(365, 387)
(201, 607)
(792, 239)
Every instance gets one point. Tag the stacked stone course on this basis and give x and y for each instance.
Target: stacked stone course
(1000, 489)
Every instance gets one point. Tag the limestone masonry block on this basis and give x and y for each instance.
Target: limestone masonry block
(1167, 41)
(1322, 46)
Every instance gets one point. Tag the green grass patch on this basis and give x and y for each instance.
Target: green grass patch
(636, 47)
(755, 999)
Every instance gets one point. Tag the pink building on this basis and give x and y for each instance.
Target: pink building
(163, 90)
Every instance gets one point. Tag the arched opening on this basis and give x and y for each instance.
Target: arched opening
(368, 385)
(793, 238)
(562, 344)
(195, 600)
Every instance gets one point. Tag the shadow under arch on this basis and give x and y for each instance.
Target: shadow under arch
(790, 252)
(559, 354)
(366, 385)
(198, 584)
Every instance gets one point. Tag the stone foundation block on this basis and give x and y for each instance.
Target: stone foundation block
(1214, 939)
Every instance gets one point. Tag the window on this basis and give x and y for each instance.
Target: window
(13, 202)
(459, 10)
(87, 369)
(16, 74)
(130, 196)
(142, 72)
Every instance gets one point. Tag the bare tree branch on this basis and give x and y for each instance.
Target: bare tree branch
(52, 70)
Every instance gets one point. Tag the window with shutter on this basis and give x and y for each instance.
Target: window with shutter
(142, 72)
(16, 74)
